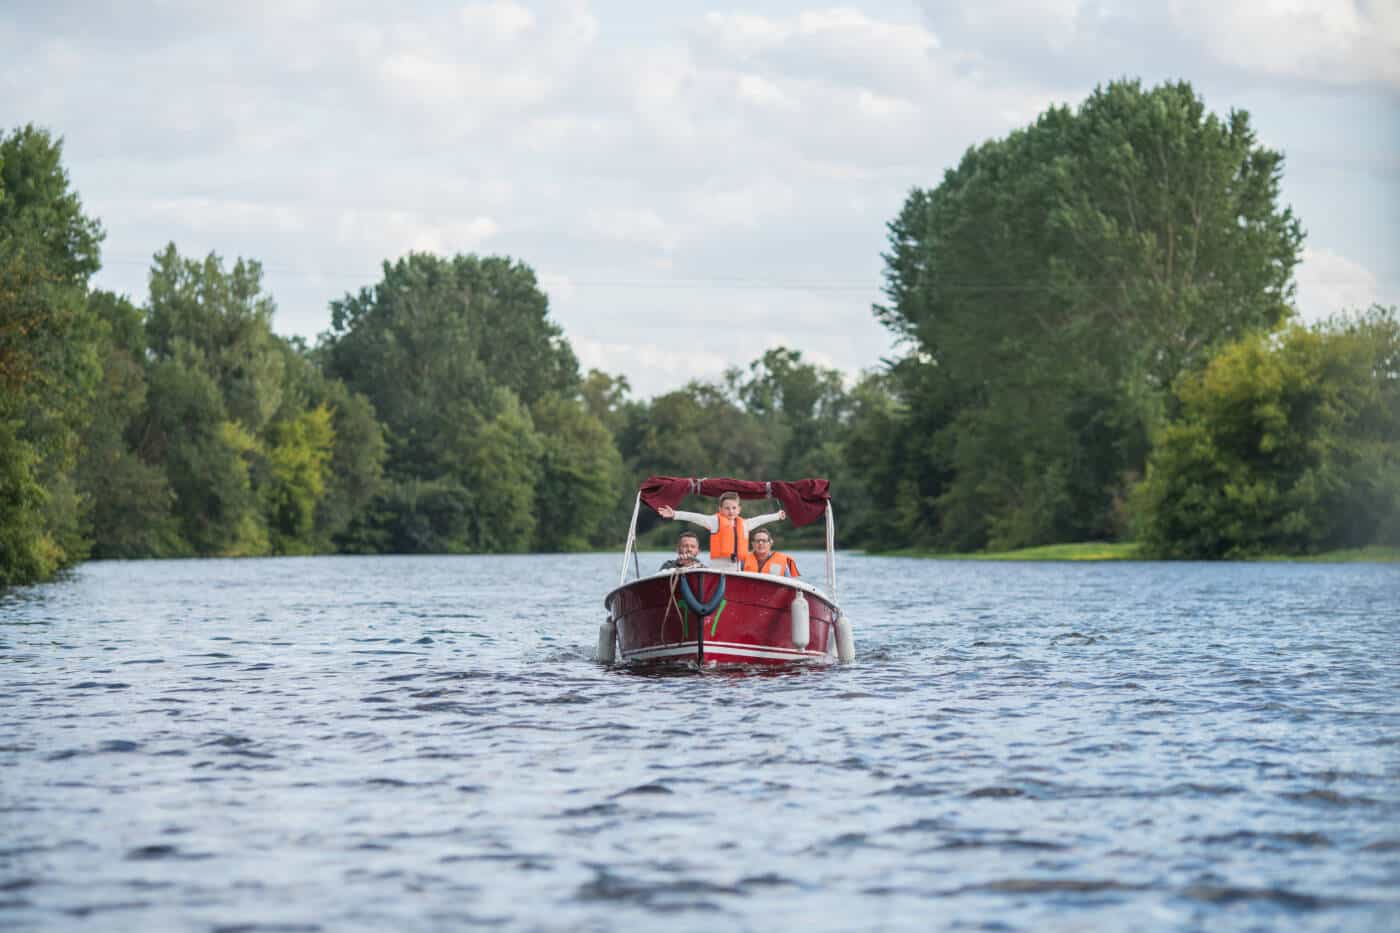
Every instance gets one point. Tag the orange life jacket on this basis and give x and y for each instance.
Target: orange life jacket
(778, 564)
(731, 542)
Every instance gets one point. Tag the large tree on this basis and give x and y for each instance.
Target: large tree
(245, 427)
(459, 357)
(49, 360)
(433, 340)
(1057, 281)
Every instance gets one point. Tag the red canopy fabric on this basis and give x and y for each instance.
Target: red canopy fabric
(803, 500)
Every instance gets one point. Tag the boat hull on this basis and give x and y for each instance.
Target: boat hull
(751, 625)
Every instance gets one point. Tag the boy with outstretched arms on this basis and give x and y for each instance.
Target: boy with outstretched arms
(729, 531)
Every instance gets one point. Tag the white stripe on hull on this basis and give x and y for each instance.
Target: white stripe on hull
(681, 650)
(754, 651)
(684, 650)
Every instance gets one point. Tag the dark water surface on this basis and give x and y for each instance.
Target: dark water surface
(427, 743)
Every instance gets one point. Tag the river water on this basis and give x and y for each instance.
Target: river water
(428, 744)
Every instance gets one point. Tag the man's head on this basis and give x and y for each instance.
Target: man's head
(729, 505)
(687, 547)
(762, 543)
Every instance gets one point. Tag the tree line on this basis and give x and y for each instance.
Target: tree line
(1094, 333)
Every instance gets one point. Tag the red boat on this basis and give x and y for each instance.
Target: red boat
(708, 616)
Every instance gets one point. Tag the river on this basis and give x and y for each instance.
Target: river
(427, 743)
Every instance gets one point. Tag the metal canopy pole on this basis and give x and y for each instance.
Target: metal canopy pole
(632, 539)
(830, 551)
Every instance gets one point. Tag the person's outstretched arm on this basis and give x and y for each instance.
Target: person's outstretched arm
(758, 521)
(709, 522)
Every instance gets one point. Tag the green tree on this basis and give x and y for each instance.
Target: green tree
(26, 554)
(699, 430)
(580, 471)
(48, 251)
(453, 355)
(355, 470)
(299, 459)
(606, 397)
(227, 319)
(431, 343)
(802, 406)
(888, 454)
(487, 504)
(242, 421)
(415, 516)
(503, 475)
(130, 500)
(205, 456)
(49, 365)
(1283, 444)
(1057, 281)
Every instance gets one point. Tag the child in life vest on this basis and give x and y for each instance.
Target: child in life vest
(729, 531)
(763, 559)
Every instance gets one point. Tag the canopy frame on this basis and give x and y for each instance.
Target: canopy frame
(810, 496)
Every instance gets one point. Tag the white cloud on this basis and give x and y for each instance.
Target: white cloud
(746, 32)
(665, 79)
(756, 89)
(853, 25)
(1322, 42)
(561, 132)
(649, 366)
(636, 226)
(1326, 41)
(499, 20)
(558, 287)
(430, 81)
(750, 32)
(394, 233)
(884, 108)
(1329, 282)
(841, 46)
(218, 214)
(746, 206)
(579, 27)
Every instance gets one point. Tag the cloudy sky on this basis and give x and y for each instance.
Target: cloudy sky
(693, 182)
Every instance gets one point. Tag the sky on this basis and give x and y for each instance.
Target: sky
(693, 183)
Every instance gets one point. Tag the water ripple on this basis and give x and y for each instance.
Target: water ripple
(426, 743)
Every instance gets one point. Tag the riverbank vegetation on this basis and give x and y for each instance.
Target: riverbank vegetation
(1095, 342)
(1082, 551)
(1129, 550)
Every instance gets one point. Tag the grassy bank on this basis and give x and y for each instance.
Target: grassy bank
(1090, 550)
(1360, 555)
(1126, 550)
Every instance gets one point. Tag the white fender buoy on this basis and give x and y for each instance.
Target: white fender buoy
(845, 640)
(607, 641)
(801, 622)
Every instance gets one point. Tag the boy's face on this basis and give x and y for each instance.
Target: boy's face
(729, 508)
